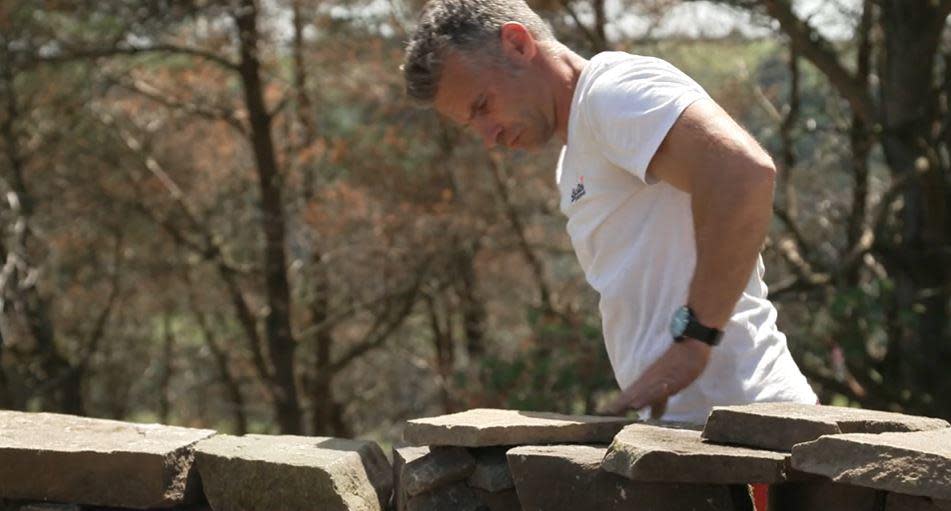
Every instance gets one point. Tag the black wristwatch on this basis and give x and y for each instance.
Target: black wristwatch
(685, 325)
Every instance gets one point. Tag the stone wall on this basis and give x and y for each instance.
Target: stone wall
(813, 458)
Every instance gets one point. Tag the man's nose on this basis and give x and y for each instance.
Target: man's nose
(489, 132)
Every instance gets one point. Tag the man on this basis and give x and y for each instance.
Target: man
(668, 200)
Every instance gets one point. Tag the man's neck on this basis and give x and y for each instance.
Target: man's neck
(567, 66)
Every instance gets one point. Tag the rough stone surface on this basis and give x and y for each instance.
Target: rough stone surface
(484, 427)
(437, 467)
(641, 452)
(455, 497)
(401, 456)
(506, 500)
(569, 478)
(916, 463)
(46, 507)
(899, 502)
(491, 470)
(63, 458)
(821, 495)
(258, 472)
(780, 426)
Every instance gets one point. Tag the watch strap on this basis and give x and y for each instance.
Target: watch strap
(700, 332)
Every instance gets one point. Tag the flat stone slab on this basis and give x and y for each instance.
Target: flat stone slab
(780, 426)
(291, 473)
(569, 478)
(64, 458)
(642, 452)
(484, 427)
(917, 463)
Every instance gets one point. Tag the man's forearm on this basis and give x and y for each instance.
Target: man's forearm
(731, 220)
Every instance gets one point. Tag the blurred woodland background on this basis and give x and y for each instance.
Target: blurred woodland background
(226, 213)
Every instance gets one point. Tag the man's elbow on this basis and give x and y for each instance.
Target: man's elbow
(762, 171)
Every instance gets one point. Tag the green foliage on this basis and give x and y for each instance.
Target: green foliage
(561, 367)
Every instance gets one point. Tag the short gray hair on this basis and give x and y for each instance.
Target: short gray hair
(470, 26)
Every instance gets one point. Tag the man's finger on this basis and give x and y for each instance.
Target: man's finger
(658, 409)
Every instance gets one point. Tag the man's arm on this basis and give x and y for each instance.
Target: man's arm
(730, 181)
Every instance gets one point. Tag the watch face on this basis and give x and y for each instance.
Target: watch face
(679, 322)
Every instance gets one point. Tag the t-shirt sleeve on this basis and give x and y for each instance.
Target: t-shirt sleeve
(631, 107)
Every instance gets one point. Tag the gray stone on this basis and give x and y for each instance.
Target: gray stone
(492, 470)
(916, 463)
(823, 494)
(780, 426)
(49, 507)
(506, 500)
(63, 458)
(569, 478)
(455, 497)
(899, 502)
(641, 452)
(484, 427)
(256, 472)
(438, 467)
(401, 456)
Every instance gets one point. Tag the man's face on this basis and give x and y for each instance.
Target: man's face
(507, 107)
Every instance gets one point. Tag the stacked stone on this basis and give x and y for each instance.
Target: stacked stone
(558, 462)
(52, 462)
(813, 457)
(462, 460)
(845, 458)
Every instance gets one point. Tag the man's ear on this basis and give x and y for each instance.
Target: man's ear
(517, 42)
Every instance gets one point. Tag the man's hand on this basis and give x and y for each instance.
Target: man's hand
(677, 368)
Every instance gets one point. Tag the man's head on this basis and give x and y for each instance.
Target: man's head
(477, 62)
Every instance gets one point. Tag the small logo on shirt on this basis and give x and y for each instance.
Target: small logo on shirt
(578, 191)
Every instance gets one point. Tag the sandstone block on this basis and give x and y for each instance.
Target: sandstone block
(48, 507)
(63, 458)
(569, 478)
(455, 497)
(401, 456)
(916, 463)
(899, 502)
(437, 467)
(491, 470)
(642, 452)
(484, 427)
(780, 426)
(265, 472)
(506, 500)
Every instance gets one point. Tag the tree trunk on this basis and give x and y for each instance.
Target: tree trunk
(168, 348)
(917, 258)
(277, 324)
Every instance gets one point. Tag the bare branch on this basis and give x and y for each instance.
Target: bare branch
(588, 34)
(818, 50)
(851, 258)
(96, 334)
(92, 53)
(143, 88)
(516, 221)
(384, 325)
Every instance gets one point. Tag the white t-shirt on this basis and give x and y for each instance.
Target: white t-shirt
(634, 238)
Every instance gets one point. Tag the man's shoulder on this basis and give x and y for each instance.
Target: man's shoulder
(622, 81)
